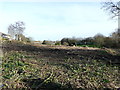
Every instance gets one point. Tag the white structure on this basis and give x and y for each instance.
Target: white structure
(5, 36)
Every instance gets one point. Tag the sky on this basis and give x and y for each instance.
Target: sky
(56, 20)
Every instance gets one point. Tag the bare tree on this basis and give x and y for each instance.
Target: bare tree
(15, 30)
(112, 7)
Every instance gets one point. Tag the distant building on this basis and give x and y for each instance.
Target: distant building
(5, 36)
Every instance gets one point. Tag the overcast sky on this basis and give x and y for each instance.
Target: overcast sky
(56, 20)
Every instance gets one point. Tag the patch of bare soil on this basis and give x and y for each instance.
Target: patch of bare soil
(60, 53)
(43, 67)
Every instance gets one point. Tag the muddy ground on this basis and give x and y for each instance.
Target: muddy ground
(60, 53)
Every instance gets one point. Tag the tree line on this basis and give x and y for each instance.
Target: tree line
(113, 41)
(99, 40)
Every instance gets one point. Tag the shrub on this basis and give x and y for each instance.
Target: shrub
(58, 43)
(69, 41)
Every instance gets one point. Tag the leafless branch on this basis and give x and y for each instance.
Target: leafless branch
(112, 7)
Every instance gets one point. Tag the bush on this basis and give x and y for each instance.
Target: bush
(58, 43)
(99, 40)
(69, 41)
(65, 43)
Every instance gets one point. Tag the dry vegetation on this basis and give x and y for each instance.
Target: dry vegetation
(59, 67)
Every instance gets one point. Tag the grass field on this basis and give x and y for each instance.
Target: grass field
(59, 67)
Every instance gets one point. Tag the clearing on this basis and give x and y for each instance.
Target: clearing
(59, 67)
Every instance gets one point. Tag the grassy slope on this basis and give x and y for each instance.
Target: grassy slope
(36, 67)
